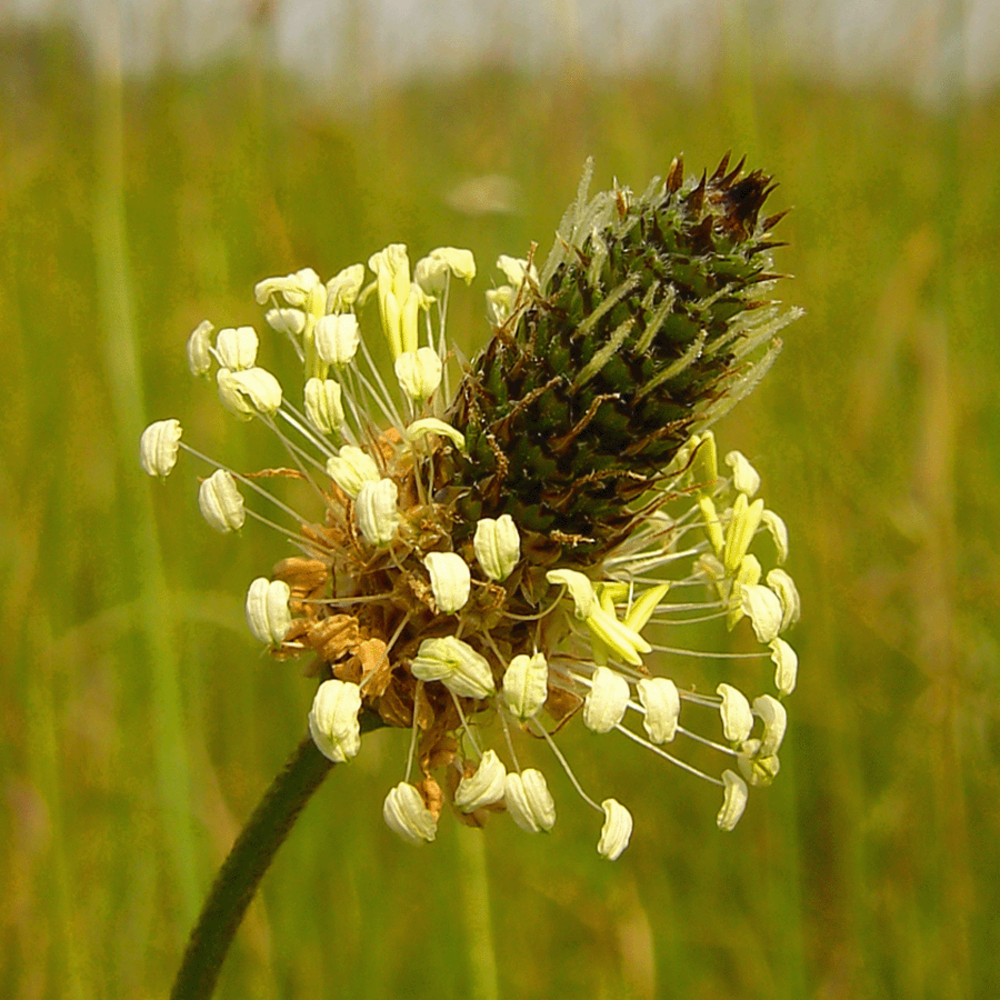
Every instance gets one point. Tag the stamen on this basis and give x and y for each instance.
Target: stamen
(385, 654)
(350, 394)
(655, 562)
(565, 766)
(510, 743)
(683, 765)
(465, 724)
(413, 732)
(659, 619)
(346, 602)
(687, 606)
(416, 448)
(445, 389)
(539, 615)
(307, 545)
(488, 639)
(707, 742)
(299, 456)
(384, 401)
(712, 701)
(700, 653)
(253, 485)
(295, 418)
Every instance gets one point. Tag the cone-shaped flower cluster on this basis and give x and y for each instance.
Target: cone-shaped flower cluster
(489, 559)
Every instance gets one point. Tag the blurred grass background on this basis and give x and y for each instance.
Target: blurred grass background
(140, 724)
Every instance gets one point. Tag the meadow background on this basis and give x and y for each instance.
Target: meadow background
(138, 722)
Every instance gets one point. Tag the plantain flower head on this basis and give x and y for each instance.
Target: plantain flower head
(497, 548)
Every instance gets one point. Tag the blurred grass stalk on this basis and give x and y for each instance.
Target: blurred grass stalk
(935, 484)
(139, 537)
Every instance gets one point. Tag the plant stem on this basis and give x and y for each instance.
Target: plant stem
(243, 869)
(475, 889)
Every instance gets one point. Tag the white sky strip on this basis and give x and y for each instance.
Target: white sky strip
(930, 48)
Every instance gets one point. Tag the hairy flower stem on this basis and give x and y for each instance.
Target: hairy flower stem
(249, 859)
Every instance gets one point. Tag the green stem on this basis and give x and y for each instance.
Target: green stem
(243, 869)
(475, 888)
